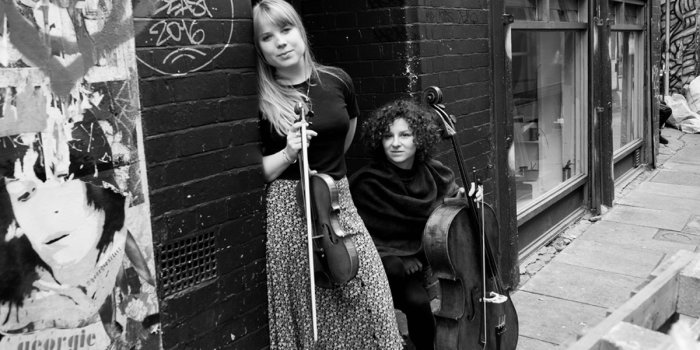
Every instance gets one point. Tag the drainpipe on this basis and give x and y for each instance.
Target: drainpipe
(668, 50)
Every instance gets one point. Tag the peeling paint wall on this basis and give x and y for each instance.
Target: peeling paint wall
(76, 251)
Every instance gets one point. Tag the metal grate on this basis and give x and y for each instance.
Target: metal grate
(187, 262)
(637, 158)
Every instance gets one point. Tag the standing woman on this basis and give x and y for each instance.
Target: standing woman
(360, 314)
(395, 194)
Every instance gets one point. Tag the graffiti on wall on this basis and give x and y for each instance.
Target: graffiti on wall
(187, 35)
(76, 251)
(683, 42)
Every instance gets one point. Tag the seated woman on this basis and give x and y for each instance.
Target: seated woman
(395, 194)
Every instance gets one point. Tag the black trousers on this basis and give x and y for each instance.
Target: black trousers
(664, 113)
(412, 298)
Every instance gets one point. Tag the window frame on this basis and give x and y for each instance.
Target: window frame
(581, 26)
(640, 30)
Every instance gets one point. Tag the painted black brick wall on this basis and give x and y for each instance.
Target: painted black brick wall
(203, 163)
(398, 48)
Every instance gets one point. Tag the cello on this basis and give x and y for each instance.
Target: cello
(333, 259)
(475, 310)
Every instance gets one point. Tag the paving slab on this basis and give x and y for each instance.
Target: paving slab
(687, 155)
(634, 236)
(693, 226)
(679, 237)
(677, 178)
(680, 191)
(678, 166)
(553, 320)
(525, 343)
(663, 219)
(611, 257)
(691, 139)
(583, 285)
(651, 200)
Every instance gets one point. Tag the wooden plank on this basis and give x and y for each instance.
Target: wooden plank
(649, 308)
(658, 305)
(627, 336)
(666, 263)
(688, 296)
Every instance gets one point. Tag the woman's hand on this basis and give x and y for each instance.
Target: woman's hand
(276, 163)
(476, 192)
(294, 140)
(411, 264)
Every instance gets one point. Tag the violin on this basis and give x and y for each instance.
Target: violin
(475, 310)
(333, 258)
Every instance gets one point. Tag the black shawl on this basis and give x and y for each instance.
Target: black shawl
(395, 203)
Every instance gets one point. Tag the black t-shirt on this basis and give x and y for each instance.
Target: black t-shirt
(334, 103)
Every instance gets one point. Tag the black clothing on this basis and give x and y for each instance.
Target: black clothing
(412, 298)
(665, 112)
(334, 103)
(395, 203)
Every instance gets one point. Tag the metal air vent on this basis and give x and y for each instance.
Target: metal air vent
(187, 262)
(637, 161)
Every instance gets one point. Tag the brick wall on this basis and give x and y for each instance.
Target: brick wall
(398, 48)
(199, 109)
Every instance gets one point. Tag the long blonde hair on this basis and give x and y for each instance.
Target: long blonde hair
(277, 101)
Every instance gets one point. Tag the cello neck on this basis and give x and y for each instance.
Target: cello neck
(434, 99)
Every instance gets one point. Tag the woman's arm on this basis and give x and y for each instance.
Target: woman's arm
(350, 135)
(275, 164)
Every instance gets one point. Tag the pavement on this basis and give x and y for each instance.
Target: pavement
(570, 285)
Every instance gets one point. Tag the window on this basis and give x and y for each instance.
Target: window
(549, 77)
(626, 54)
(534, 10)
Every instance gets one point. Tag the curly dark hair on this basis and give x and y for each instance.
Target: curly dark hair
(423, 124)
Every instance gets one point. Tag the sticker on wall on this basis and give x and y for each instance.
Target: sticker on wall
(77, 269)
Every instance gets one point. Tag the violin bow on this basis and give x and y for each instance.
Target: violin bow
(305, 184)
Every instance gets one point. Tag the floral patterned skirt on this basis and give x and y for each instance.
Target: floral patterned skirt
(359, 315)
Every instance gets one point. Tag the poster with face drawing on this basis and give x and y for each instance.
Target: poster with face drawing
(76, 252)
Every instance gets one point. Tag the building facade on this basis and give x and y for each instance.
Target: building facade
(555, 103)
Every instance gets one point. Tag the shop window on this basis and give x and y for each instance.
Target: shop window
(549, 70)
(627, 54)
